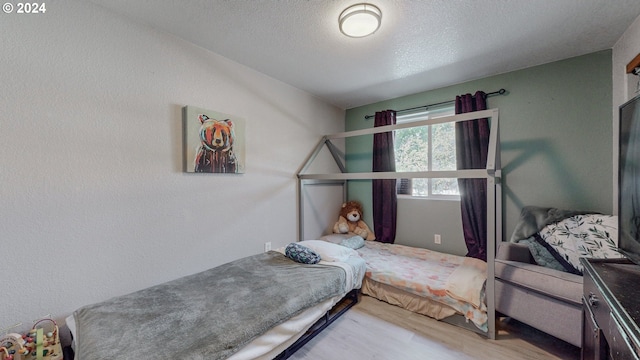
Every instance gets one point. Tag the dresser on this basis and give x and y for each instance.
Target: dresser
(611, 310)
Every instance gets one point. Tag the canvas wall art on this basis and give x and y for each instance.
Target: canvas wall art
(213, 141)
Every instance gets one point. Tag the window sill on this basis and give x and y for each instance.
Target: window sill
(433, 197)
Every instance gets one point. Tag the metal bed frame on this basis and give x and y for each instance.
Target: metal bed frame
(347, 302)
(492, 174)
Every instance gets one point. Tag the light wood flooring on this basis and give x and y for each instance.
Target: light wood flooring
(373, 329)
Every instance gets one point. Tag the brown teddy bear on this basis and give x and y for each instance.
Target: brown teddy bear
(350, 221)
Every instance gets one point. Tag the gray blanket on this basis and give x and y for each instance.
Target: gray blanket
(209, 315)
(534, 218)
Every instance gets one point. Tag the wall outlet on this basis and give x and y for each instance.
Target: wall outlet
(267, 246)
(437, 239)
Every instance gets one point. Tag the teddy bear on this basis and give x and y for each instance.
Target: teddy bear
(350, 221)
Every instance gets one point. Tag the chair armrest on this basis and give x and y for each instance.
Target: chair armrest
(515, 252)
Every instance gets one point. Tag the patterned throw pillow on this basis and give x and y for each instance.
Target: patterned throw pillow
(591, 236)
(355, 242)
(541, 255)
(301, 254)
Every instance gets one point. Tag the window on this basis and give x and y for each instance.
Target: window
(427, 148)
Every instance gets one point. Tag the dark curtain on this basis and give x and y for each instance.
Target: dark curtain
(472, 143)
(384, 190)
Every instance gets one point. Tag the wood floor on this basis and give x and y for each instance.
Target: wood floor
(373, 329)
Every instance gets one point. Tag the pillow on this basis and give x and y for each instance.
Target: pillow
(329, 251)
(541, 255)
(336, 238)
(354, 242)
(301, 254)
(590, 236)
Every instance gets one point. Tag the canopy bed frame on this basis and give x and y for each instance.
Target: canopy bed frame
(492, 174)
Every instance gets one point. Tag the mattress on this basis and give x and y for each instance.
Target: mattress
(278, 338)
(274, 341)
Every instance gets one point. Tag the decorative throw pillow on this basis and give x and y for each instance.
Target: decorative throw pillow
(591, 236)
(354, 242)
(301, 254)
(541, 255)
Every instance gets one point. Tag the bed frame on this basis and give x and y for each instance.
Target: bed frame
(492, 174)
(347, 302)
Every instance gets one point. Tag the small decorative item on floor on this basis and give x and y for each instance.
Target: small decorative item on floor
(213, 141)
(350, 221)
(39, 343)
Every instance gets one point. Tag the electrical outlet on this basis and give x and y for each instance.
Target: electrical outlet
(267, 246)
(437, 239)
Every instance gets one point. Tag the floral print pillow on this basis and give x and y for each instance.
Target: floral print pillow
(590, 235)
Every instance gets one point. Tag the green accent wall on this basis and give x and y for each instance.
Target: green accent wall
(555, 137)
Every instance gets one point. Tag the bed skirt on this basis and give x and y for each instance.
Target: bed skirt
(406, 300)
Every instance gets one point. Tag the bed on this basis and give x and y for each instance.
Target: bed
(263, 306)
(311, 175)
(424, 281)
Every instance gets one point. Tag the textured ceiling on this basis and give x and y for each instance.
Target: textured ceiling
(421, 45)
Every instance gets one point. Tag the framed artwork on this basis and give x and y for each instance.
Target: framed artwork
(213, 141)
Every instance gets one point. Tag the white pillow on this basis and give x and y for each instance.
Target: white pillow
(336, 238)
(329, 251)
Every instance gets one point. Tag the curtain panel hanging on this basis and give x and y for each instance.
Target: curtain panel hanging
(385, 201)
(472, 143)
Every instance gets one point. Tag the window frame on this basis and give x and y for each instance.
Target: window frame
(426, 115)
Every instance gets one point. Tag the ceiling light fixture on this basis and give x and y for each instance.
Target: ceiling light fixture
(360, 20)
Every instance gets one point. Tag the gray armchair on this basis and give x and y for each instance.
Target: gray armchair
(546, 299)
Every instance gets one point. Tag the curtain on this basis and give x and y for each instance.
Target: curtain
(384, 190)
(472, 143)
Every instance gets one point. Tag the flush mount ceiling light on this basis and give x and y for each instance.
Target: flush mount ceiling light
(360, 20)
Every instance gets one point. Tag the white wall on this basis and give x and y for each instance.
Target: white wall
(94, 202)
(624, 88)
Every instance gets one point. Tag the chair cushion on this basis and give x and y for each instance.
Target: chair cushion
(560, 285)
(514, 252)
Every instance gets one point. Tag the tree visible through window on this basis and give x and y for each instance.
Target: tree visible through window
(427, 148)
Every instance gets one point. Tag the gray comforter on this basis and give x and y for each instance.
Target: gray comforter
(209, 315)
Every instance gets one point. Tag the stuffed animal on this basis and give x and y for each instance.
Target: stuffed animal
(350, 221)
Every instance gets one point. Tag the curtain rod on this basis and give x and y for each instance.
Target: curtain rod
(499, 92)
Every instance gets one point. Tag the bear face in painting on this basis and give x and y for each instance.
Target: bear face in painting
(216, 135)
(215, 154)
